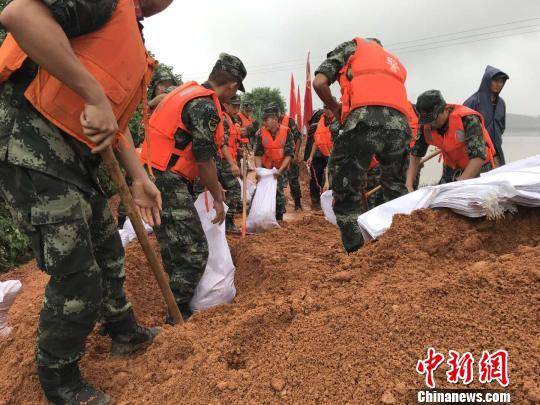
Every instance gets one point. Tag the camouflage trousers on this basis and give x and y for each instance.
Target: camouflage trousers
(316, 183)
(348, 165)
(293, 176)
(281, 203)
(74, 240)
(233, 191)
(373, 180)
(181, 239)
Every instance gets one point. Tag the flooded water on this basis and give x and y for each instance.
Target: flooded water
(516, 146)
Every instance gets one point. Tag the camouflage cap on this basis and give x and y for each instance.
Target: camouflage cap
(429, 105)
(161, 74)
(247, 106)
(234, 66)
(271, 108)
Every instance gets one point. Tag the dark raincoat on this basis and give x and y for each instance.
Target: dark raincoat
(494, 114)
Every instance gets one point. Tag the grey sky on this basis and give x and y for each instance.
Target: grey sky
(272, 38)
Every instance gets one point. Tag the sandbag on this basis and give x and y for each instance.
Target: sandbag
(327, 205)
(250, 189)
(8, 292)
(262, 215)
(216, 286)
(127, 233)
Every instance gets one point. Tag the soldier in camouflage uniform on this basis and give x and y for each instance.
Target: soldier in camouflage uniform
(162, 83)
(435, 112)
(50, 181)
(293, 173)
(182, 242)
(272, 124)
(367, 130)
(316, 161)
(228, 170)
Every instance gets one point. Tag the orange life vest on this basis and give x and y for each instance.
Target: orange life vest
(323, 137)
(246, 122)
(114, 54)
(377, 78)
(452, 144)
(413, 123)
(165, 121)
(234, 136)
(286, 121)
(274, 148)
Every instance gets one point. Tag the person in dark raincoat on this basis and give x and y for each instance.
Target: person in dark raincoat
(487, 101)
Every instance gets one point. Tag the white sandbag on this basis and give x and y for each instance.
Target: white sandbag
(327, 205)
(250, 189)
(127, 233)
(8, 292)
(216, 286)
(262, 215)
(490, 195)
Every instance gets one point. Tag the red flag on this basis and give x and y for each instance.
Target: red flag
(308, 100)
(298, 116)
(292, 99)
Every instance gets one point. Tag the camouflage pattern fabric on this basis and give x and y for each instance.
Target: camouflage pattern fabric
(50, 181)
(381, 131)
(162, 73)
(181, 239)
(370, 130)
(75, 241)
(233, 195)
(475, 144)
(233, 191)
(317, 180)
(293, 176)
(373, 179)
(281, 202)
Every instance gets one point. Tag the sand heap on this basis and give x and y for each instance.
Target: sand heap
(311, 324)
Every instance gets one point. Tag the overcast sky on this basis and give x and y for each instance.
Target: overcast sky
(273, 38)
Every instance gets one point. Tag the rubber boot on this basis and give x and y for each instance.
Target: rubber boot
(315, 205)
(66, 386)
(128, 336)
(279, 216)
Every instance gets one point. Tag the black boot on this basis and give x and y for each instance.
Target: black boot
(128, 336)
(315, 205)
(66, 386)
(297, 204)
(279, 216)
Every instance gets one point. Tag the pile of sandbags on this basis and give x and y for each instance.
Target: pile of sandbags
(491, 195)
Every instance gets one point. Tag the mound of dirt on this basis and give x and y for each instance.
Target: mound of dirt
(311, 324)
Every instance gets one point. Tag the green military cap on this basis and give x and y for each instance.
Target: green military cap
(234, 66)
(161, 74)
(429, 105)
(271, 108)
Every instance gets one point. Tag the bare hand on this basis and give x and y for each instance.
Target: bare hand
(235, 170)
(257, 177)
(277, 174)
(410, 188)
(309, 162)
(337, 112)
(99, 124)
(220, 212)
(148, 201)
